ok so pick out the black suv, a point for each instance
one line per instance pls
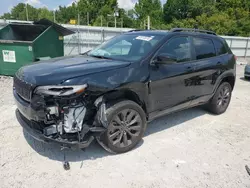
(111, 92)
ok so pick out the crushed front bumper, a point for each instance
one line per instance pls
(26, 124)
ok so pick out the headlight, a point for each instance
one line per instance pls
(60, 90)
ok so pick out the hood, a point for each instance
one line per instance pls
(56, 71)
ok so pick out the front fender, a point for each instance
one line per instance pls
(130, 81)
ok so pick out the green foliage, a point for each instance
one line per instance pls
(96, 8)
(226, 17)
(45, 13)
(19, 13)
(65, 14)
(7, 16)
(152, 8)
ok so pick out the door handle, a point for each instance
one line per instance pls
(219, 63)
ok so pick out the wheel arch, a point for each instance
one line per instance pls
(228, 77)
(230, 80)
(127, 94)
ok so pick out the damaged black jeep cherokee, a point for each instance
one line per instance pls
(111, 92)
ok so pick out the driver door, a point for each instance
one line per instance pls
(168, 85)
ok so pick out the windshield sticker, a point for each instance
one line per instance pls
(145, 38)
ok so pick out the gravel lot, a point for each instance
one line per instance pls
(191, 148)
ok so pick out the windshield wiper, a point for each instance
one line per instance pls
(100, 56)
(85, 53)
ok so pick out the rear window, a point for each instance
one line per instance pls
(220, 47)
(204, 48)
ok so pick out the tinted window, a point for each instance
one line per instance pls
(177, 47)
(204, 48)
(220, 47)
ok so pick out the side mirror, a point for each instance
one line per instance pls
(165, 59)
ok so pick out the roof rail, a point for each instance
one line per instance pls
(192, 30)
(135, 30)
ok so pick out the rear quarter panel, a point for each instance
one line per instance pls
(228, 69)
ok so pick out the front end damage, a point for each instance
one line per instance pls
(66, 115)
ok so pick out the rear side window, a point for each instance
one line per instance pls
(220, 47)
(204, 48)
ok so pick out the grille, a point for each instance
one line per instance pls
(23, 89)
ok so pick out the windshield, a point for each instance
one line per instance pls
(131, 47)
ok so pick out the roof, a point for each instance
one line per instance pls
(60, 29)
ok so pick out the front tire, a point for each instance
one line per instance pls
(221, 100)
(126, 126)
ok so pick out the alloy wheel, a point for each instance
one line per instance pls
(224, 97)
(124, 128)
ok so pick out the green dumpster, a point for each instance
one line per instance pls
(22, 44)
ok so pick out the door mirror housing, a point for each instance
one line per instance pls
(165, 59)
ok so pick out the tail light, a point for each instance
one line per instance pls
(235, 57)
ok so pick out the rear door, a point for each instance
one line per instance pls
(207, 68)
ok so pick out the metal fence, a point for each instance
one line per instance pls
(239, 45)
(87, 37)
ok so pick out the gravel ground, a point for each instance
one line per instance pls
(191, 148)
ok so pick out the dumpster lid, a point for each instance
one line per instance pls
(60, 29)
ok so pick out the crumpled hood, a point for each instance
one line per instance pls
(56, 71)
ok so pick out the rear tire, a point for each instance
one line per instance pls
(126, 126)
(246, 78)
(221, 100)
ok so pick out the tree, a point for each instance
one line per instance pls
(19, 12)
(96, 8)
(226, 17)
(65, 14)
(223, 5)
(45, 13)
(183, 9)
(127, 18)
(152, 8)
(6, 16)
(175, 10)
(32, 12)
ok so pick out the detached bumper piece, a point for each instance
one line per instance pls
(36, 134)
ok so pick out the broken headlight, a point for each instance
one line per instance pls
(60, 90)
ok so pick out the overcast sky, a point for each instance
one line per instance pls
(6, 5)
